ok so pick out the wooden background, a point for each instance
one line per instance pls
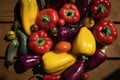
(109, 70)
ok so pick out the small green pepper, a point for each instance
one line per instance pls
(10, 35)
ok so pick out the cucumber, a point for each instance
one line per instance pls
(22, 38)
(11, 49)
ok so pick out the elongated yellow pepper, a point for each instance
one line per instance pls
(54, 62)
(84, 43)
(28, 11)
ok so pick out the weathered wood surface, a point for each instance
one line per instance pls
(109, 70)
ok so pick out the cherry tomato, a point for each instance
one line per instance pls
(34, 28)
(85, 76)
(89, 22)
(63, 46)
(61, 22)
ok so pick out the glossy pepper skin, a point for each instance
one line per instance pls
(40, 42)
(100, 8)
(105, 32)
(28, 12)
(54, 62)
(84, 43)
(47, 18)
(75, 71)
(70, 13)
(30, 60)
(95, 60)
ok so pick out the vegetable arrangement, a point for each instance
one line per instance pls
(63, 37)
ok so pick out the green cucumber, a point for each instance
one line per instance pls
(11, 49)
(22, 38)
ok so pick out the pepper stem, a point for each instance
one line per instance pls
(40, 41)
(84, 57)
(70, 13)
(101, 8)
(45, 18)
(106, 31)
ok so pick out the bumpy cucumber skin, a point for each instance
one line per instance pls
(11, 49)
(22, 38)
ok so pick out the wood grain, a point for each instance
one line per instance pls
(4, 28)
(109, 70)
(12, 74)
(7, 10)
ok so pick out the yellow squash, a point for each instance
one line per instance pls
(54, 62)
(28, 11)
(84, 43)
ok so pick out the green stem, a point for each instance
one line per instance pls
(40, 41)
(84, 57)
(106, 31)
(70, 13)
(46, 18)
(101, 8)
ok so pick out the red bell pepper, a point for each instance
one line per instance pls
(47, 18)
(105, 32)
(39, 42)
(70, 13)
(100, 8)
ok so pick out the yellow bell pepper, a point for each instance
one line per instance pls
(28, 11)
(54, 62)
(84, 43)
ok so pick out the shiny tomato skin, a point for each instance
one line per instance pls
(61, 22)
(63, 46)
(85, 76)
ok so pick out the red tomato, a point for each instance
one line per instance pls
(85, 76)
(61, 22)
(63, 46)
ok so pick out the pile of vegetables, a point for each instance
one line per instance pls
(63, 38)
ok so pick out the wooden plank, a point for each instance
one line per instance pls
(12, 74)
(4, 28)
(7, 10)
(109, 70)
(115, 11)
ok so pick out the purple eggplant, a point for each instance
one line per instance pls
(82, 6)
(66, 32)
(75, 71)
(57, 3)
(98, 58)
(30, 60)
